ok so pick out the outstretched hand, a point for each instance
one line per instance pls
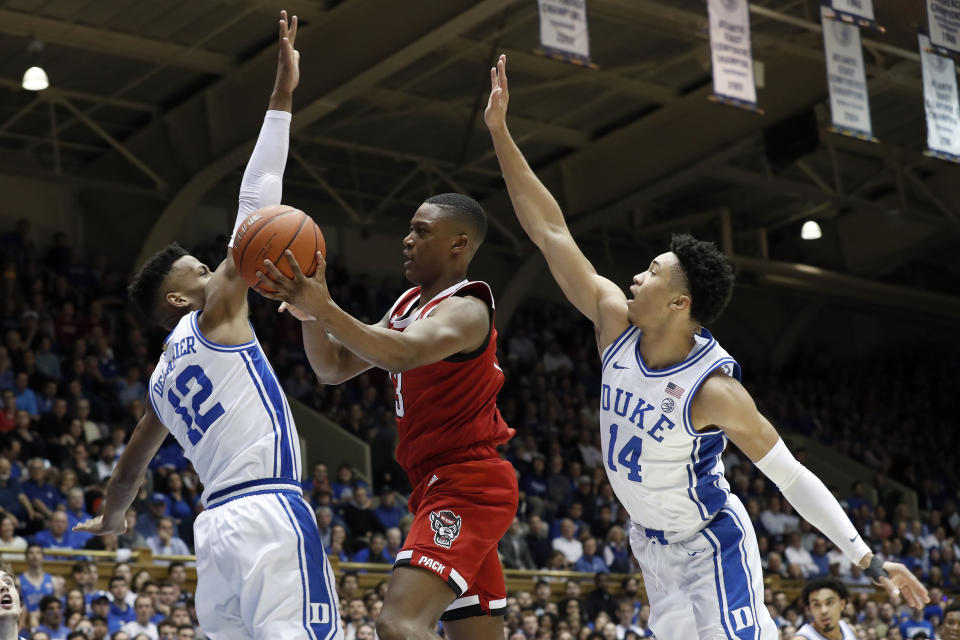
(306, 298)
(495, 114)
(288, 58)
(98, 527)
(903, 582)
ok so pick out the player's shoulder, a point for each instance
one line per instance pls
(721, 397)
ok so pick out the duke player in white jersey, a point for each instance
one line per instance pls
(670, 400)
(825, 599)
(261, 568)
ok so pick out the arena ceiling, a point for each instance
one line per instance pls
(158, 103)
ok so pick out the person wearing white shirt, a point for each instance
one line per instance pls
(144, 610)
(566, 543)
(775, 521)
(798, 555)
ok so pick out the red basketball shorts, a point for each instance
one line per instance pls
(461, 510)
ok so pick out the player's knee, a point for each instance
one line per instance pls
(391, 628)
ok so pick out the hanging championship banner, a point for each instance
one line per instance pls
(943, 17)
(733, 80)
(563, 30)
(941, 103)
(846, 78)
(859, 12)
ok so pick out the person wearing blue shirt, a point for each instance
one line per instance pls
(35, 582)
(121, 611)
(914, 625)
(590, 562)
(76, 513)
(12, 499)
(158, 507)
(389, 511)
(44, 498)
(26, 398)
(375, 552)
(58, 536)
(51, 619)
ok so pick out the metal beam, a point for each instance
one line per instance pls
(419, 27)
(54, 92)
(460, 114)
(113, 43)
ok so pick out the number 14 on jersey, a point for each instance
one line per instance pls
(629, 455)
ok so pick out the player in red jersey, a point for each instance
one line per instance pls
(438, 342)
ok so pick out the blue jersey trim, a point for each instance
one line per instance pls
(681, 366)
(247, 494)
(319, 582)
(266, 407)
(277, 400)
(303, 582)
(226, 348)
(240, 486)
(616, 345)
(731, 573)
(746, 563)
(687, 422)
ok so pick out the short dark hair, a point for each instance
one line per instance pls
(708, 275)
(464, 207)
(46, 601)
(823, 583)
(950, 608)
(144, 291)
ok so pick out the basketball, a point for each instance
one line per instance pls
(267, 233)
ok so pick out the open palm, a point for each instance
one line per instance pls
(495, 114)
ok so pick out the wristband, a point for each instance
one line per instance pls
(876, 571)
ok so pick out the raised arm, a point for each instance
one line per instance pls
(723, 402)
(262, 183)
(128, 476)
(603, 302)
(456, 325)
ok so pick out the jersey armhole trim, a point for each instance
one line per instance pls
(607, 355)
(479, 351)
(216, 346)
(687, 423)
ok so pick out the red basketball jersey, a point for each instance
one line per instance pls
(447, 411)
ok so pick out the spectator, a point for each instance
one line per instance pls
(58, 535)
(394, 544)
(389, 511)
(589, 561)
(514, 552)
(148, 521)
(77, 513)
(600, 599)
(121, 608)
(165, 543)
(617, 554)
(51, 619)
(375, 552)
(142, 624)
(35, 582)
(798, 556)
(356, 615)
(359, 514)
(8, 415)
(566, 543)
(775, 521)
(915, 625)
(538, 541)
(131, 539)
(44, 497)
(25, 398)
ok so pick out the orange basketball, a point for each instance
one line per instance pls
(267, 233)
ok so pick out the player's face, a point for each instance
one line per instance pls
(426, 248)
(654, 291)
(188, 279)
(825, 607)
(950, 629)
(9, 597)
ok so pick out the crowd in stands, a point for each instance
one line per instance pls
(74, 363)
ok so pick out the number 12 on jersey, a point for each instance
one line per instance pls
(198, 423)
(629, 455)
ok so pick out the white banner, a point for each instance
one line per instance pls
(943, 17)
(846, 77)
(563, 29)
(733, 78)
(940, 101)
(860, 11)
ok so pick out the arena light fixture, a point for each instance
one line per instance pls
(35, 78)
(811, 230)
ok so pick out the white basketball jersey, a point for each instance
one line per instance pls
(668, 476)
(807, 631)
(225, 407)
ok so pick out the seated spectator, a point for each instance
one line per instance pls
(8, 414)
(342, 488)
(375, 552)
(355, 615)
(177, 575)
(44, 497)
(394, 544)
(359, 515)
(589, 561)
(165, 543)
(389, 511)
(514, 552)
(10, 540)
(147, 521)
(51, 619)
(600, 599)
(617, 554)
(798, 556)
(566, 543)
(132, 539)
(35, 582)
(142, 624)
(914, 625)
(166, 630)
(77, 513)
(121, 608)
(538, 541)
(13, 502)
(58, 534)
(775, 521)
(24, 396)
(106, 459)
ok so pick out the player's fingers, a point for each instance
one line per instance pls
(321, 272)
(494, 83)
(292, 33)
(292, 261)
(891, 588)
(283, 307)
(269, 293)
(502, 71)
(274, 273)
(283, 25)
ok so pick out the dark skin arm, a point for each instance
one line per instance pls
(456, 325)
